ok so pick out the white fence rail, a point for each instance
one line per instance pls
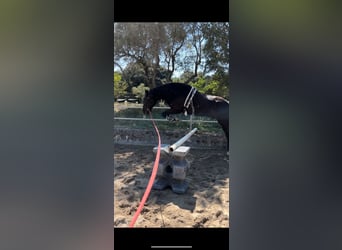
(160, 120)
(191, 119)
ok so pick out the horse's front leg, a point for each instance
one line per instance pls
(225, 126)
(167, 113)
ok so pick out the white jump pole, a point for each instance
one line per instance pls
(182, 140)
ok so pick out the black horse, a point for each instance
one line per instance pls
(182, 98)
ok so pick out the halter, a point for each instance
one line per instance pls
(188, 100)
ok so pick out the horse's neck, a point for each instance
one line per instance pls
(162, 95)
(168, 95)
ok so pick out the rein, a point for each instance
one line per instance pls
(152, 178)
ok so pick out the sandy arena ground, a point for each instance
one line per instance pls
(205, 203)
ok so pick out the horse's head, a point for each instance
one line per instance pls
(149, 102)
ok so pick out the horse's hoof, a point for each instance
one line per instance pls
(171, 118)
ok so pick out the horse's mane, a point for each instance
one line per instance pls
(170, 91)
(173, 91)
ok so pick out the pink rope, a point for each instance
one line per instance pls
(152, 178)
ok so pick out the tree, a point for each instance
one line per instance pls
(216, 54)
(119, 86)
(176, 37)
(151, 53)
(216, 48)
(133, 75)
(140, 43)
(210, 86)
(139, 91)
(154, 46)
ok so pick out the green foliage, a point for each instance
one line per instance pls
(120, 86)
(184, 76)
(223, 85)
(211, 86)
(157, 53)
(216, 48)
(140, 91)
(134, 74)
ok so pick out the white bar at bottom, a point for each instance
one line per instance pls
(164, 247)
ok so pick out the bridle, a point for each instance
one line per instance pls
(188, 100)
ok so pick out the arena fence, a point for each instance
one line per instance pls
(131, 127)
